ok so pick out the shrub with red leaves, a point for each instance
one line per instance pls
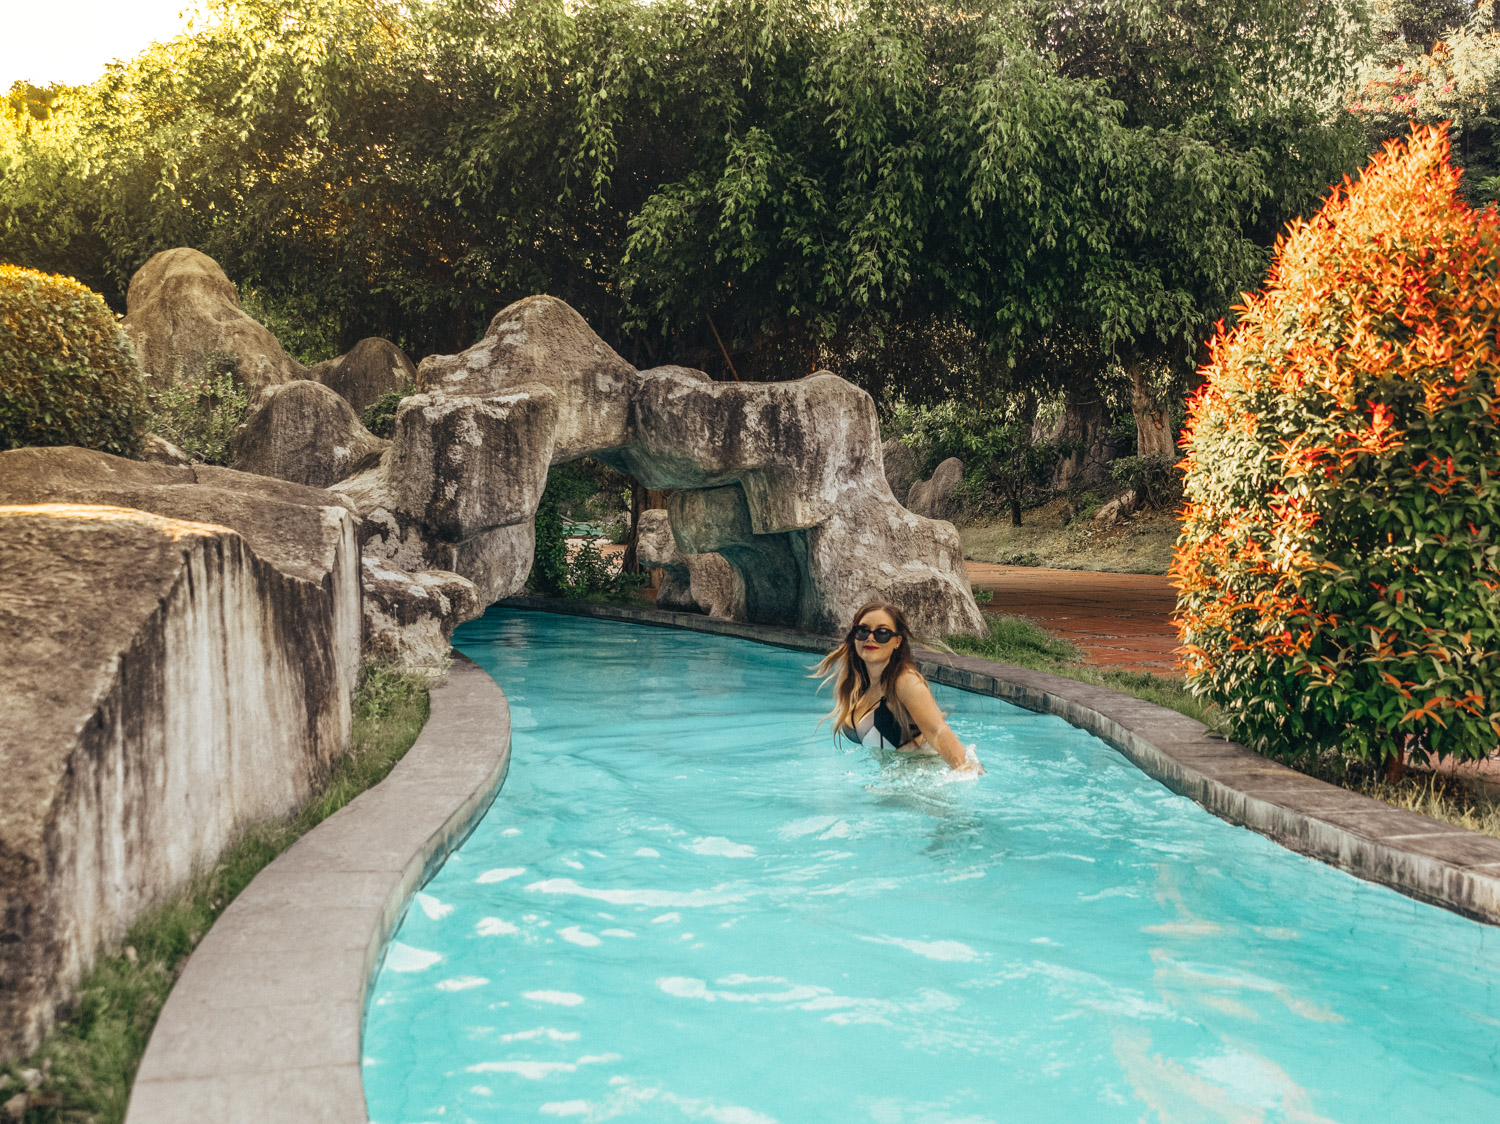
(1338, 573)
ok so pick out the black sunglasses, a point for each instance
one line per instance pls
(864, 632)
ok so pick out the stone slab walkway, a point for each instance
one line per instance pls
(1116, 620)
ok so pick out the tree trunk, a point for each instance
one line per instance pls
(1015, 511)
(630, 564)
(1153, 426)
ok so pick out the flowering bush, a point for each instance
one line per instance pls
(1339, 595)
(1458, 80)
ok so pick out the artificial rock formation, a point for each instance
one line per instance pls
(934, 497)
(370, 369)
(696, 583)
(181, 311)
(785, 481)
(306, 433)
(178, 649)
(900, 467)
(408, 617)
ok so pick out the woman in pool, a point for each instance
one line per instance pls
(878, 689)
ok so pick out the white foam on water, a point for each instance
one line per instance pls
(686, 898)
(404, 958)
(511, 831)
(719, 847)
(546, 1032)
(574, 935)
(686, 987)
(949, 951)
(461, 983)
(494, 927)
(559, 998)
(565, 1108)
(500, 874)
(810, 825)
(573, 863)
(616, 933)
(434, 909)
(647, 853)
(532, 1071)
(667, 919)
(598, 1059)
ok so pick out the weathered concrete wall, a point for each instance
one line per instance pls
(166, 683)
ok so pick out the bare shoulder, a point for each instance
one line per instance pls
(910, 684)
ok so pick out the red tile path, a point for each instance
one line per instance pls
(1117, 620)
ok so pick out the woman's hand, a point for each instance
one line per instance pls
(917, 698)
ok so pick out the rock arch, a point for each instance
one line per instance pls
(784, 480)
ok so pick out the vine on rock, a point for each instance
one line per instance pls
(1339, 589)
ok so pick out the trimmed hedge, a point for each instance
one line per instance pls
(1339, 566)
(68, 375)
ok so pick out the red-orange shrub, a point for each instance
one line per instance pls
(1338, 590)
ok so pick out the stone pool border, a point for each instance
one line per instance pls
(1424, 858)
(267, 1019)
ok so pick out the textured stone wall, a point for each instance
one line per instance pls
(166, 683)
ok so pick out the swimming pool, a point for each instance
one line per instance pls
(687, 904)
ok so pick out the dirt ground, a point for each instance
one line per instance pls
(1139, 544)
(1116, 620)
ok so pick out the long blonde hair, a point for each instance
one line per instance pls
(850, 678)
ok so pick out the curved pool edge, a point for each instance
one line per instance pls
(1424, 858)
(266, 1021)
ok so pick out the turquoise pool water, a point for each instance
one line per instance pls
(687, 905)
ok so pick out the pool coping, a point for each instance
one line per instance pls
(266, 1022)
(1435, 862)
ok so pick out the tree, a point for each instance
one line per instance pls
(934, 198)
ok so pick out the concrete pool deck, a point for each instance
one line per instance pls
(266, 1021)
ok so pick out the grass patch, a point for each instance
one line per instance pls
(1446, 798)
(1047, 538)
(83, 1070)
(1026, 644)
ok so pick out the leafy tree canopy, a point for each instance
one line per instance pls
(934, 198)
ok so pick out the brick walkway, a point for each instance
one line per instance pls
(1117, 620)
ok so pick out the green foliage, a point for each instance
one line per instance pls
(1436, 61)
(592, 577)
(572, 490)
(306, 330)
(68, 375)
(1018, 641)
(997, 448)
(380, 416)
(199, 413)
(1154, 479)
(1338, 571)
(91, 1059)
(936, 198)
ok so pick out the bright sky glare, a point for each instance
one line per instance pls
(71, 41)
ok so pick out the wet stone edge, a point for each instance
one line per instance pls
(1424, 858)
(266, 1021)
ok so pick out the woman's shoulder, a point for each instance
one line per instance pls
(909, 680)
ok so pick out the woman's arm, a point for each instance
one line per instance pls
(917, 698)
